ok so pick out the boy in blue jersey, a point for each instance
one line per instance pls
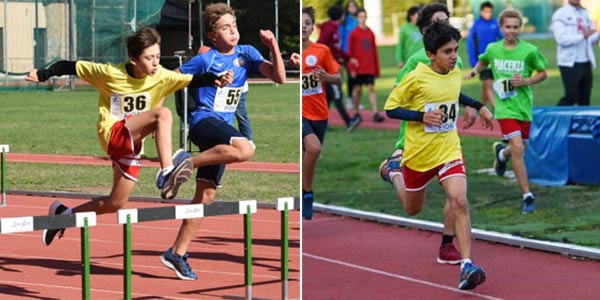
(211, 122)
(484, 31)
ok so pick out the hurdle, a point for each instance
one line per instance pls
(128, 216)
(81, 220)
(284, 204)
(4, 149)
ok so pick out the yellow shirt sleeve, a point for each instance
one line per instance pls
(94, 73)
(174, 81)
(402, 94)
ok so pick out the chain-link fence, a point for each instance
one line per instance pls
(36, 33)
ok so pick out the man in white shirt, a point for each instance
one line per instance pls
(575, 35)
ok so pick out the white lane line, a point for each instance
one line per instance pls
(397, 276)
(79, 288)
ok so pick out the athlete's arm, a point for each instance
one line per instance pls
(209, 79)
(59, 68)
(433, 118)
(274, 70)
(470, 102)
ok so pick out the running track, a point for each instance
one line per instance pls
(346, 258)
(30, 270)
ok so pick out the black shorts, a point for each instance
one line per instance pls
(208, 133)
(364, 79)
(317, 128)
(486, 74)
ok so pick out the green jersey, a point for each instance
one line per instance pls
(410, 40)
(414, 60)
(513, 102)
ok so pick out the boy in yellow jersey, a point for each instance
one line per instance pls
(432, 144)
(130, 107)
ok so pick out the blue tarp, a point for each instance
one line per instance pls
(546, 155)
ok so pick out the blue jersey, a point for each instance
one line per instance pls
(222, 102)
(483, 33)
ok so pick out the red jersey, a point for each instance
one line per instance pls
(314, 99)
(361, 46)
(330, 37)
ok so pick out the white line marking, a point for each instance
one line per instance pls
(79, 288)
(406, 278)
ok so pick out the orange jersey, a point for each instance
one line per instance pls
(314, 98)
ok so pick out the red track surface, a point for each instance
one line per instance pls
(30, 270)
(351, 259)
(392, 124)
(105, 161)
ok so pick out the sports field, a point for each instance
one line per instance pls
(347, 172)
(65, 123)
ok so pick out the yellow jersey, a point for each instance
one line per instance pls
(122, 95)
(424, 90)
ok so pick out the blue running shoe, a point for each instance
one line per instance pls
(307, 205)
(499, 166)
(178, 264)
(177, 159)
(471, 276)
(391, 166)
(529, 205)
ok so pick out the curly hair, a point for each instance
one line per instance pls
(425, 15)
(212, 14)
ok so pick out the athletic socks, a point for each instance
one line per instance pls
(501, 156)
(530, 194)
(447, 239)
(464, 262)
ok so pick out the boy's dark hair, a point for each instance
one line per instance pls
(310, 11)
(361, 10)
(335, 12)
(212, 14)
(427, 12)
(411, 11)
(140, 40)
(439, 34)
(486, 4)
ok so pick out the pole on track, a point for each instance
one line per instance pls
(3, 149)
(284, 252)
(127, 258)
(248, 251)
(85, 258)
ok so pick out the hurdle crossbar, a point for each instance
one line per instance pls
(129, 216)
(82, 220)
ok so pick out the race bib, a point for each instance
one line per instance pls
(504, 88)
(227, 99)
(122, 106)
(451, 110)
(311, 86)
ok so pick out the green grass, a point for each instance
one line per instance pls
(65, 123)
(347, 173)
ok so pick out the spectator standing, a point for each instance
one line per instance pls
(575, 34)
(347, 24)
(330, 37)
(484, 31)
(362, 47)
